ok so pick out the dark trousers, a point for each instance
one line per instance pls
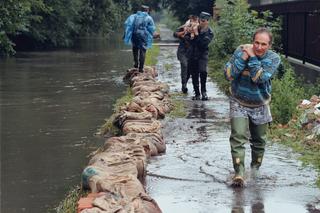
(139, 56)
(198, 69)
(185, 75)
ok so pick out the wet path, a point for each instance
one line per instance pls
(194, 174)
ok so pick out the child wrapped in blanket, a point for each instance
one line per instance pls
(191, 26)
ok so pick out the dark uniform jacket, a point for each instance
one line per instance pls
(199, 46)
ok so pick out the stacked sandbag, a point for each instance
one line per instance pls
(114, 175)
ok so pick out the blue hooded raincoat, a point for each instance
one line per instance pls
(149, 29)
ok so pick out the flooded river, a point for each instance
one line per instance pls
(51, 104)
(194, 175)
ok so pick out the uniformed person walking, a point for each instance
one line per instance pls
(182, 57)
(198, 56)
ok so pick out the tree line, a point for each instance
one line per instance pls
(39, 24)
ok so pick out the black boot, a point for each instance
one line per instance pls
(204, 96)
(184, 88)
(197, 93)
(196, 97)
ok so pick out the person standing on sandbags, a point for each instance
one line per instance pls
(139, 29)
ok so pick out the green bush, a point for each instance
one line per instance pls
(237, 25)
(59, 23)
(286, 94)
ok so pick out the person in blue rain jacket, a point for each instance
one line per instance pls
(139, 29)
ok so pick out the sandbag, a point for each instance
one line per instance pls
(164, 88)
(139, 152)
(143, 82)
(127, 186)
(133, 107)
(111, 202)
(154, 138)
(141, 126)
(124, 115)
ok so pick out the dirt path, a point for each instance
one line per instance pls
(194, 174)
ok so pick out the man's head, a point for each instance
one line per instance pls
(204, 19)
(145, 8)
(262, 40)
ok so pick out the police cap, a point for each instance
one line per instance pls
(205, 15)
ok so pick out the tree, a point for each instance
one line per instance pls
(101, 16)
(58, 23)
(183, 8)
(15, 18)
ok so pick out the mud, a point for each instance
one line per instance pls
(194, 174)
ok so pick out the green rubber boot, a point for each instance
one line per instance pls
(238, 138)
(257, 143)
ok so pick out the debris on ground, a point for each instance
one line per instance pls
(307, 121)
(309, 118)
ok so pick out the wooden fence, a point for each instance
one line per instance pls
(301, 28)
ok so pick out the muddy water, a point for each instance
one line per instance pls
(51, 105)
(194, 175)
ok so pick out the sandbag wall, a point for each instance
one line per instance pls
(115, 175)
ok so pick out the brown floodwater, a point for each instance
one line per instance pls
(194, 175)
(51, 104)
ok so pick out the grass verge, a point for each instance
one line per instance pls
(151, 55)
(69, 204)
(179, 108)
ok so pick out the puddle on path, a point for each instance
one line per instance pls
(193, 176)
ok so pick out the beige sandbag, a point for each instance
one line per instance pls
(127, 186)
(151, 88)
(143, 82)
(150, 105)
(147, 88)
(157, 94)
(130, 146)
(133, 107)
(154, 138)
(147, 205)
(153, 110)
(145, 101)
(137, 152)
(150, 70)
(94, 210)
(123, 142)
(141, 126)
(142, 78)
(113, 203)
(122, 116)
(115, 163)
(125, 196)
